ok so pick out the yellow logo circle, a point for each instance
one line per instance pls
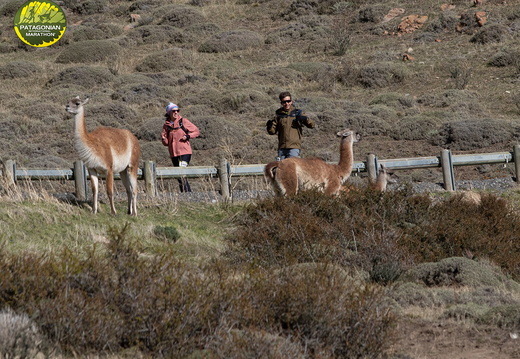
(40, 23)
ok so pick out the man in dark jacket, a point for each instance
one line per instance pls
(288, 124)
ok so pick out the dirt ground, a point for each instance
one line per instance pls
(419, 339)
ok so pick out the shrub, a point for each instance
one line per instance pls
(505, 58)
(117, 299)
(232, 41)
(253, 343)
(414, 128)
(113, 114)
(446, 21)
(9, 8)
(382, 74)
(300, 31)
(101, 31)
(86, 7)
(151, 34)
(505, 316)
(460, 73)
(373, 13)
(18, 69)
(85, 76)
(411, 294)
(455, 100)
(461, 312)
(492, 33)
(167, 233)
(144, 93)
(165, 60)
(322, 73)
(456, 226)
(460, 271)
(215, 130)
(150, 130)
(179, 16)
(19, 336)
(366, 123)
(393, 99)
(473, 134)
(89, 51)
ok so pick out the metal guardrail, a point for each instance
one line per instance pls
(150, 173)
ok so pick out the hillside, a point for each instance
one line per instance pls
(447, 78)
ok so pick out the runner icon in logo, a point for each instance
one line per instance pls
(40, 23)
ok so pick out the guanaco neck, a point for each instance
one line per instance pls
(346, 156)
(80, 128)
(380, 183)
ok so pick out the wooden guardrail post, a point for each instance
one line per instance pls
(372, 167)
(150, 177)
(223, 174)
(447, 170)
(516, 160)
(10, 173)
(80, 180)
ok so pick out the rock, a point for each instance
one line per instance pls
(392, 14)
(481, 18)
(411, 23)
(445, 7)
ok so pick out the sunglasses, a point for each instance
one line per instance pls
(287, 101)
(175, 110)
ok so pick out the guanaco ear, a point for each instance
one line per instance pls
(86, 100)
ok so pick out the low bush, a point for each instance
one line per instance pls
(216, 131)
(9, 8)
(85, 76)
(504, 316)
(89, 51)
(151, 34)
(454, 227)
(179, 16)
(86, 7)
(117, 299)
(492, 33)
(372, 13)
(505, 58)
(150, 130)
(113, 114)
(393, 99)
(232, 41)
(367, 123)
(473, 134)
(18, 69)
(382, 74)
(19, 336)
(461, 271)
(414, 128)
(145, 93)
(170, 59)
(372, 231)
(101, 31)
(445, 21)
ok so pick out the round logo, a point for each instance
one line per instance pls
(40, 23)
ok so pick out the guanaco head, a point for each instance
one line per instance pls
(349, 133)
(74, 104)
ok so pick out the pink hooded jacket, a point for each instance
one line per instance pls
(172, 135)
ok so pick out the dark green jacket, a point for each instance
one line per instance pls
(288, 125)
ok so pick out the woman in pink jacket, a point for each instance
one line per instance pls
(176, 134)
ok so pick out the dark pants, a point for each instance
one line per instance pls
(182, 161)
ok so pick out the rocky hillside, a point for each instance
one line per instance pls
(411, 76)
